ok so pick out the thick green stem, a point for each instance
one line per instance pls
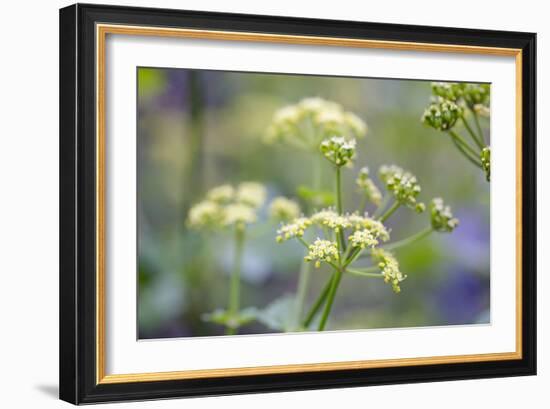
(409, 240)
(317, 305)
(301, 292)
(389, 212)
(330, 299)
(474, 136)
(235, 289)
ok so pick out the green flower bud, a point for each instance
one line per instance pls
(389, 266)
(486, 162)
(441, 216)
(442, 114)
(402, 185)
(338, 150)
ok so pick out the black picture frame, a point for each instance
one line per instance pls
(78, 360)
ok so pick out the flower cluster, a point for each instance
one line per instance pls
(470, 94)
(442, 218)
(354, 221)
(338, 150)
(367, 187)
(402, 185)
(442, 114)
(311, 120)
(251, 194)
(283, 209)
(452, 101)
(294, 229)
(322, 250)
(389, 267)
(363, 238)
(226, 206)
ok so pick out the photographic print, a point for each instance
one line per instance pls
(282, 203)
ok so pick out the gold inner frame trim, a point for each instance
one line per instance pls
(101, 33)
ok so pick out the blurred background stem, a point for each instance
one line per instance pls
(234, 294)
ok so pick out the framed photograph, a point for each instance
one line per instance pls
(258, 203)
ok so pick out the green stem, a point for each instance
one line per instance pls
(363, 204)
(367, 272)
(464, 144)
(352, 257)
(330, 299)
(301, 292)
(318, 303)
(389, 212)
(305, 269)
(382, 206)
(466, 154)
(234, 295)
(478, 126)
(409, 240)
(474, 136)
(339, 207)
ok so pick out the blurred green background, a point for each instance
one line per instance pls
(198, 129)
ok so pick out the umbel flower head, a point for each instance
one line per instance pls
(226, 206)
(239, 214)
(338, 150)
(367, 187)
(206, 215)
(294, 229)
(221, 194)
(389, 266)
(252, 194)
(470, 94)
(283, 209)
(322, 250)
(441, 216)
(329, 218)
(308, 122)
(442, 114)
(402, 185)
(363, 238)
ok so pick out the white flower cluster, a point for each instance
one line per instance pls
(403, 186)
(309, 121)
(338, 150)
(441, 216)
(226, 206)
(329, 218)
(294, 229)
(362, 239)
(370, 230)
(322, 250)
(367, 187)
(389, 267)
(284, 209)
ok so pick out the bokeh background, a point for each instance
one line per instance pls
(198, 129)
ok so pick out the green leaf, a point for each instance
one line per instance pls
(317, 198)
(278, 315)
